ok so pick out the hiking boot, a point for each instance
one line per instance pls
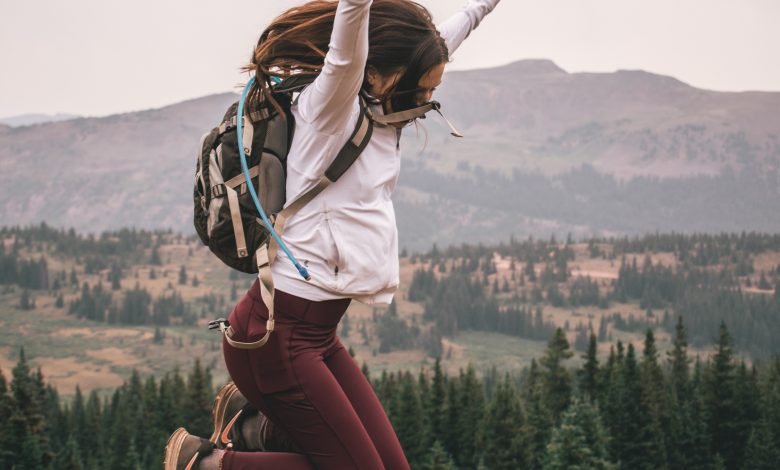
(183, 450)
(239, 426)
(229, 405)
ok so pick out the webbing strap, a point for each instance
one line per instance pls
(254, 116)
(414, 113)
(249, 134)
(295, 83)
(354, 146)
(403, 116)
(235, 217)
(238, 180)
(267, 294)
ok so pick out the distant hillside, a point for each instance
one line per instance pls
(545, 152)
(92, 308)
(29, 119)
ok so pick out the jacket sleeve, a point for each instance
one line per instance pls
(328, 102)
(458, 27)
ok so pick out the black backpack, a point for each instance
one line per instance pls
(226, 219)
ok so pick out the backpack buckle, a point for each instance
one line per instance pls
(219, 324)
(218, 190)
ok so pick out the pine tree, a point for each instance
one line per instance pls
(556, 378)
(182, 276)
(167, 410)
(579, 442)
(159, 336)
(115, 277)
(674, 435)
(610, 398)
(763, 450)
(747, 402)
(589, 375)
(437, 412)
(78, 420)
(453, 416)
(771, 398)
(198, 400)
(504, 444)
(27, 445)
(679, 361)
(156, 434)
(625, 417)
(26, 302)
(28, 395)
(438, 459)
(469, 406)
(6, 433)
(409, 423)
(652, 452)
(424, 392)
(696, 437)
(57, 422)
(70, 458)
(155, 259)
(92, 435)
(133, 459)
(120, 430)
(540, 422)
(721, 401)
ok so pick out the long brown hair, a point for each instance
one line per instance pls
(401, 37)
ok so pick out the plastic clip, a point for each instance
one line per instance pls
(219, 324)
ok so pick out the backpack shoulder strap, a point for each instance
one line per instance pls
(266, 254)
(346, 157)
(295, 82)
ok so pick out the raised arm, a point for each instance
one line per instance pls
(327, 103)
(458, 27)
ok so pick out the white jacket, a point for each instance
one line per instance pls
(347, 236)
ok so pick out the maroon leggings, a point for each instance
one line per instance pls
(306, 383)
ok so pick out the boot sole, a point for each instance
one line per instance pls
(219, 436)
(173, 449)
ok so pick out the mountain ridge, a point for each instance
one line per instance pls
(530, 117)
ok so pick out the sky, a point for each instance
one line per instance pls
(101, 57)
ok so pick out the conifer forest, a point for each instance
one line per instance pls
(636, 409)
(654, 352)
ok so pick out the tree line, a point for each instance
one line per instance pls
(135, 307)
(637, 409)
(461, 289)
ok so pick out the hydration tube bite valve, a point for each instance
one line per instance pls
(240, 135)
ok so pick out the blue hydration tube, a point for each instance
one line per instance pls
(240, 134)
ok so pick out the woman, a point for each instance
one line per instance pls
(303, 379)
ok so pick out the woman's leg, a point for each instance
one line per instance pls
(367, 406)
(288, 381)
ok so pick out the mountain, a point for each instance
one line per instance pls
(30, 119)
(628, 123)
(546, 152)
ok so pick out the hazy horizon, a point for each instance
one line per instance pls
(73, 57)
